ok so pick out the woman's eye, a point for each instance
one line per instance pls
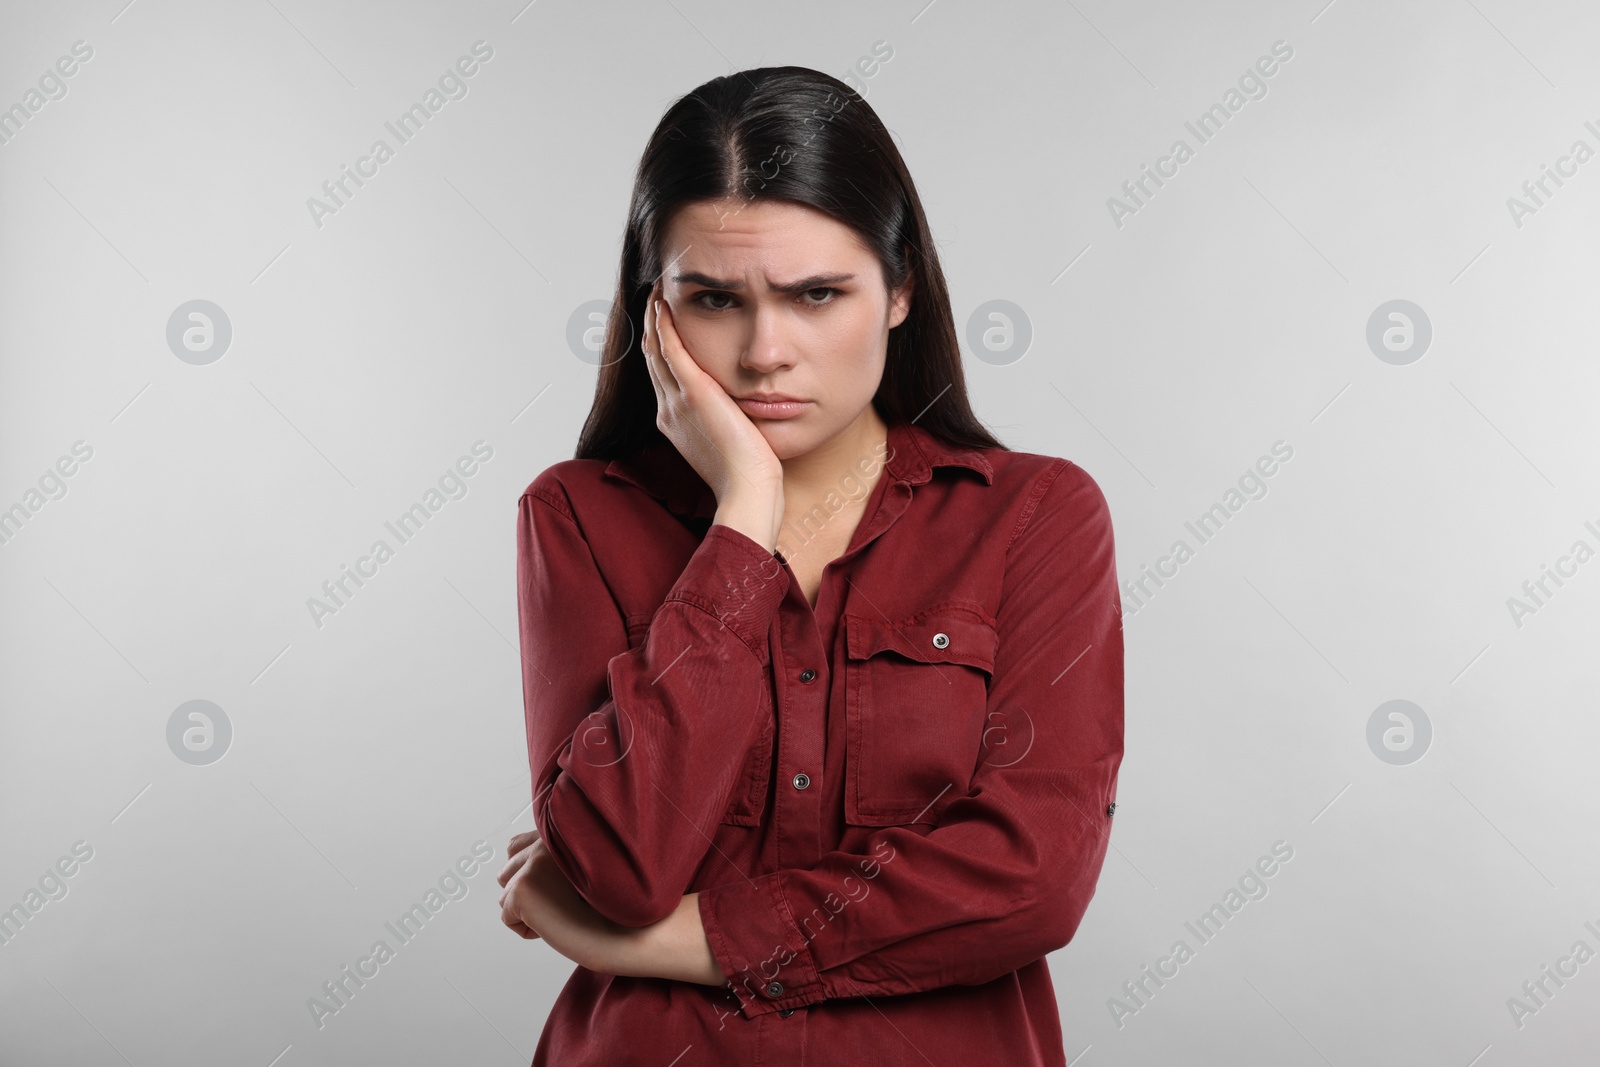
(701, 297)
(819, 303)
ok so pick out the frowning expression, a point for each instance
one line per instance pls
(777, 297)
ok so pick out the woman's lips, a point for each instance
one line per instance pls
(772, 409)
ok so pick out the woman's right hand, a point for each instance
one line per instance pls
(712, 432)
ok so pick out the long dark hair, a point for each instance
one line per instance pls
(794, 134)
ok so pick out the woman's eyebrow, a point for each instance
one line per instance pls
(816, 281)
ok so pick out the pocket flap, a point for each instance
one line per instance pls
(965, 635)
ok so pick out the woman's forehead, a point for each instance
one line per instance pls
(782, 239)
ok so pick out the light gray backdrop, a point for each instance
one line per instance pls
(1354, 263)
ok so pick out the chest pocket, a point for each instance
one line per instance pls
(916, 691)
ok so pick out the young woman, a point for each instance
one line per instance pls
(823, 684)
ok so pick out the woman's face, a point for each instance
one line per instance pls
(777, 297)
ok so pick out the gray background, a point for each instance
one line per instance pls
(1168, 354)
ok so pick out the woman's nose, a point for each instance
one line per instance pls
(769, 347)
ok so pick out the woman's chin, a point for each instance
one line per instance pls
(786, 439)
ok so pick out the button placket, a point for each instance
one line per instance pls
(801, 678)
(801, 779)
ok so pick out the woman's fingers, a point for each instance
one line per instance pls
(517, 854)
(516, 885)
(646, 345)
(513, 864)
(512, 918)
(524, 931)
(676, 357)
(668, 365)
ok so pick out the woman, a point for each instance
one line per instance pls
(823, 684)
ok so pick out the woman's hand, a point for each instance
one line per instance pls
(518, 851)
(712, 432)
(539, 902)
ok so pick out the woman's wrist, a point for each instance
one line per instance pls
(752, 520)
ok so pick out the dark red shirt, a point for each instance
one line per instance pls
(893, 806)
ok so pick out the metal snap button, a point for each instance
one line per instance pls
(774, 989)
(807, 674)
(784, 1013)
(802, 780)
(941, 640)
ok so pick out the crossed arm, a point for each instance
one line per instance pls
(539, 902)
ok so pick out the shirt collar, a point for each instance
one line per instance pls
(662, 472)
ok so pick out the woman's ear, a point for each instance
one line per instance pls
(900, 299)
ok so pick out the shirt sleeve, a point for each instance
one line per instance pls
(1006, 875)
(635, 753)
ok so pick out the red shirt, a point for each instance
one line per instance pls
(893, 806)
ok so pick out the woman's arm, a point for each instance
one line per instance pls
(539, 902)
(635, 752)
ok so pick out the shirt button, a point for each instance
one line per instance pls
(1111, 808)
(802, 780)
(785, 1012)
(774, 989)
(941, 640)
(807, 674)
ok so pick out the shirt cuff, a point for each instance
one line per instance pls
(737, 581)
(762, 952)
